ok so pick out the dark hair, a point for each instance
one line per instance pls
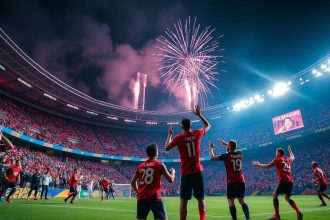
(186, 124)
(314, 163)
(289, 119)
(151, 150)
(75, 170)
(232, 144)
(281, 151)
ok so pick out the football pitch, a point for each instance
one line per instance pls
(124, 208)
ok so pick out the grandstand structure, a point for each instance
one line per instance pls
(50, 121)
(24, 80)
(111, 135)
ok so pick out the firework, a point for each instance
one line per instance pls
(188, 59)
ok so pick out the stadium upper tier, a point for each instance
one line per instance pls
(22, 78)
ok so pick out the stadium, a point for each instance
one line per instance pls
(63, 134)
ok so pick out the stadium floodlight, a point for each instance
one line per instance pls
(280, 89)
(24, 82)
(151, 123)
(289, 83)
(92, 113)
(2, 67)
(270, 92)
(317, 73)
(251, 101)
(194, 121)
(72, 106)
(314, 71)
(172, 123)
(129, 120)
(323, 66)
(112, 118)
(50, 96)
(236, 107)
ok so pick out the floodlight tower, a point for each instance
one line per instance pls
(139, 90)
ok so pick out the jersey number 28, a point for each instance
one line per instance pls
(147, 176)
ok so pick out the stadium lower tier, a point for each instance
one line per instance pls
(258, 181)
(76, 135)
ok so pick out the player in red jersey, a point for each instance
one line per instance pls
(284, 186)
(73, 183)
(322, 181)
(5, 144)
(235, 180)
(12, 178)
(188, 143)
(146, 182)
(104, 188)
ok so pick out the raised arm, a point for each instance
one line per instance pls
(168, 144)
(211, 146)
(222, 142)
(264, 166)
(169, 176)
(134, 183)
(197, 112)
(6, 142)
(291, 154)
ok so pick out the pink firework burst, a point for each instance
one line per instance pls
(188, 59)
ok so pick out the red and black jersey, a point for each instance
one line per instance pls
(283, 168)
(320, 176)
(149, 179)
(104, 183)
(12, 174)
(73, 181)
(233, 163)
(188, 144)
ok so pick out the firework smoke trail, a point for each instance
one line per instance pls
(188, 59)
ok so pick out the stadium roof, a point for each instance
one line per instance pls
(22, 78)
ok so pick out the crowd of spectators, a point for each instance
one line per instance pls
(53, 129)
(130, 143)
(60, 166)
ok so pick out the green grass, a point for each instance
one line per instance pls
(124, 208)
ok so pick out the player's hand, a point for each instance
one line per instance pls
(172, 170)
(289, 148)
(255, 163)
(197, 110)
(170, 130)
(211, 144)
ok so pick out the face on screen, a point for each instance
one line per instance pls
(287, 123)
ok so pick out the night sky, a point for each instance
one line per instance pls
(98, 46)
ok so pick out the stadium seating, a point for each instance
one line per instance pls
(53, 129)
